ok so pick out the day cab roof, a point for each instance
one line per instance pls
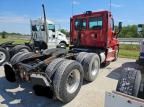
(91, 13)
(40, 21)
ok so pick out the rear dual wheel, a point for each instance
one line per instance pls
(19, 48)
(9, 73)
(20, 57)
(67, 80)
(91, 65)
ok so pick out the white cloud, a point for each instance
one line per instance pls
(116, 5)
(76, 2)
(14, 19)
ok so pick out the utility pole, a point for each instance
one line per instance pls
(72, 7)
(110, 5)
(45, 23)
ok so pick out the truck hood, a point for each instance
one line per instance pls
(62, 36)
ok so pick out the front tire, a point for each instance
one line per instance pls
(62, 45)
(68, 80)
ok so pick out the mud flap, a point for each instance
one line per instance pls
(9, 73)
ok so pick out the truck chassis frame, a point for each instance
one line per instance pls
(63, 70)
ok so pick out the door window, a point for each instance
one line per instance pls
(80, 24)
(38, 28)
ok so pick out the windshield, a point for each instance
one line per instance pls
(51, 27)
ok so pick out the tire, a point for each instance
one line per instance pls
(91, 66)
(4, 56)
(81, 56)
(19, 48)
(9, 73)
(62, 45)
(13, 60)
(52, 67)
(63, 91)
(141, 90)
(129, 82)
(20, 57)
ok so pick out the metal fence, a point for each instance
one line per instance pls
(132, 41)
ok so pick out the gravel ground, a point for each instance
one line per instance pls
(90, 95)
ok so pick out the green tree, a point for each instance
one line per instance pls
(4, 34)
(141, 34)
(64, 32)
(129, 31)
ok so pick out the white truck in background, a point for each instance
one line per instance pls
(55, 37)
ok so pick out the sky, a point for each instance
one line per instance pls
(15, 15)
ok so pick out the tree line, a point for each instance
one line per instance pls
(5, 34)
(131, 31)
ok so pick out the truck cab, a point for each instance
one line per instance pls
(55, 37)
(95, 31)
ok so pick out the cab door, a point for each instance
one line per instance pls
(96, 32)
(80, 28)
(38, 33)
(52, 36)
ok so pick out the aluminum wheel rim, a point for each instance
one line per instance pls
(2, 57)
(94, 69)
(73, 81)
(62, 45)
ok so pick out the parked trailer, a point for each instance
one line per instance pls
(94, 42)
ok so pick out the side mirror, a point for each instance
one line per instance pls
(120, 26)
(139, 29)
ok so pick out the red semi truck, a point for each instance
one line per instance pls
(95, 32)
(93, 41)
